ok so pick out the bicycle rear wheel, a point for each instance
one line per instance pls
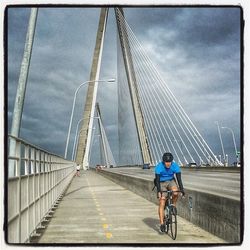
(173, 225)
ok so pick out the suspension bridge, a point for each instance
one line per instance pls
(46, 203)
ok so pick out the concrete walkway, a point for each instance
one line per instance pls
(96, 210)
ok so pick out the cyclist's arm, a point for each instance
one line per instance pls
(178, 177)
(158, 186)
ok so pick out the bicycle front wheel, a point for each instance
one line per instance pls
(166, 222)
(173, 225)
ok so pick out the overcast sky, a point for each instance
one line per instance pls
(196, 50)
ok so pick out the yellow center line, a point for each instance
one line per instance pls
(108, 235)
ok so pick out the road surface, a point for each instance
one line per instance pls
(95, 210)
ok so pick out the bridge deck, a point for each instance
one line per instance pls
(224, 183)
(96, 210)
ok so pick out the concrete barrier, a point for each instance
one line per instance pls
(218, 215)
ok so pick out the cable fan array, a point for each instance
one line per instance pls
(168, 126)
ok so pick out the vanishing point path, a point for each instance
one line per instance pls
(95, 210)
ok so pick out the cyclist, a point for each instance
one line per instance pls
(78, 170)
(165, 173)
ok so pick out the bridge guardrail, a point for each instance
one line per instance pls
(39, 179)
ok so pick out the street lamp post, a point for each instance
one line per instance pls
(73, 107)
(235, 148)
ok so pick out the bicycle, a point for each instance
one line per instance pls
(170, 219)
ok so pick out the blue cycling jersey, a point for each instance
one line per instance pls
(167, 174)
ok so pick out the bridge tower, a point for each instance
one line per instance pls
(130, 73)
(83, 147)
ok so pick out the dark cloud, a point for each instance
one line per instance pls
(196, 50)
(210, 26)
(206, 26)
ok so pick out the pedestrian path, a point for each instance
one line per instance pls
(94, 210)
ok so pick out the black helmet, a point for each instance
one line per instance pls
(167, 157)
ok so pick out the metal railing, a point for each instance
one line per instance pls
(39, 179)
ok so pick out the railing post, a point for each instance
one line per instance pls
(44, 183)
(18, 172)
(39, 186)
(34, 190)
(27, 164)
(50, 185)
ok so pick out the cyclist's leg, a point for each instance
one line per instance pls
(162, 203)
(173, 186)
(161, 208)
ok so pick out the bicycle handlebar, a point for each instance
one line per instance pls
(172, 191)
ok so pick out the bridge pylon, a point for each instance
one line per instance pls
(83, 147)
(133, 90)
